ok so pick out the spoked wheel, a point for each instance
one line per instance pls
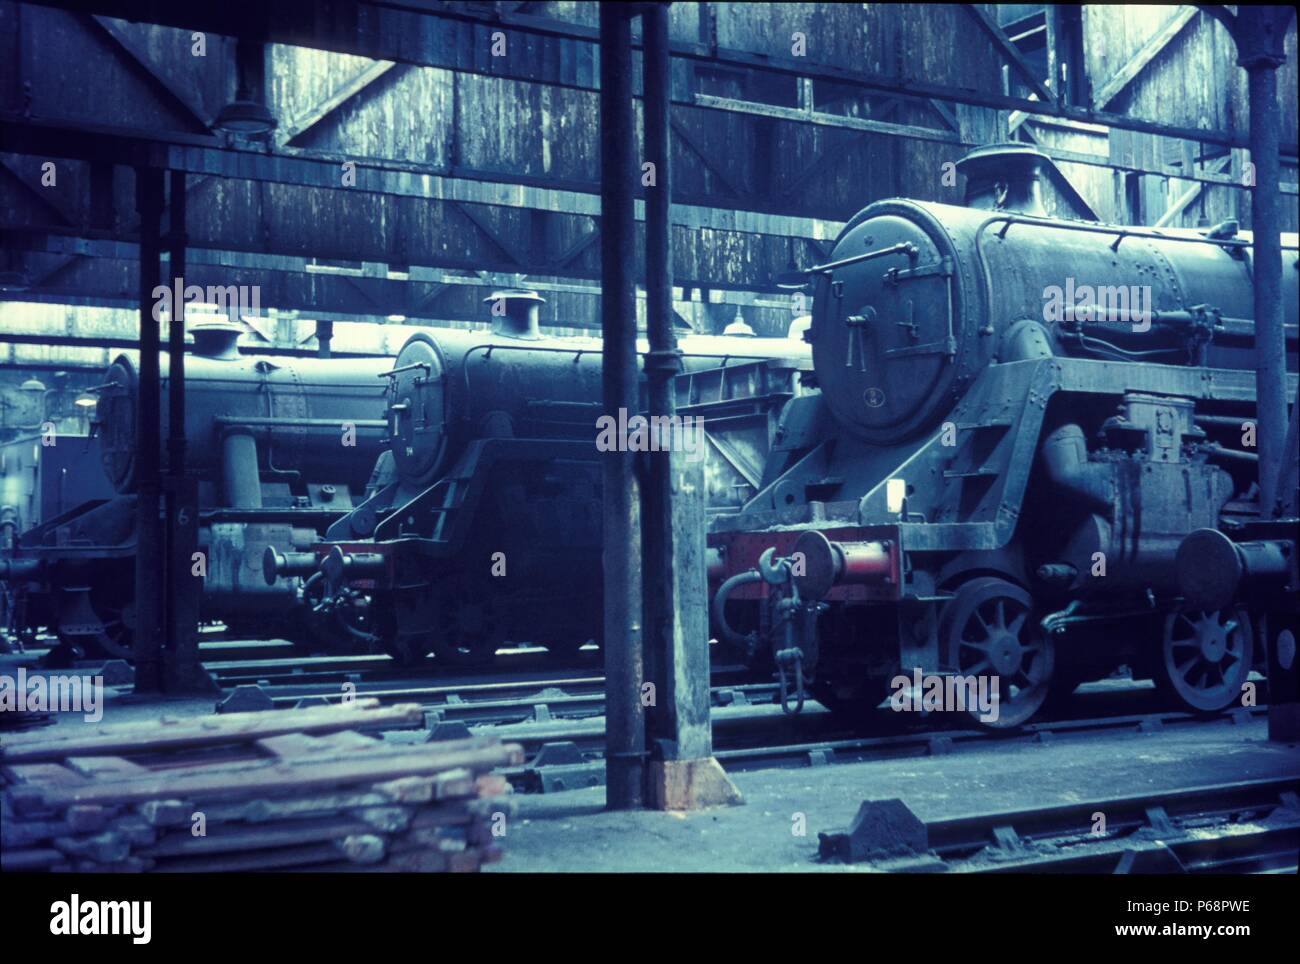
(989, 633)
(1205, 658)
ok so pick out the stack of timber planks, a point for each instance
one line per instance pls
(309, 789)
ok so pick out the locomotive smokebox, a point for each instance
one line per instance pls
(1005, 177)
(515, 313)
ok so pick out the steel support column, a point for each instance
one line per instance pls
(662, 364)
(149, 553)
(624, 671)
(1259, 32)
(176, 328)
(682, 773)
(1282, 624)
(182, 669)
(1266, 222)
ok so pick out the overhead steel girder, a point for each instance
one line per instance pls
(199, 154)
(545, 50)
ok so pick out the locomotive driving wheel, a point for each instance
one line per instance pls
(1205, 658)
(988, 632)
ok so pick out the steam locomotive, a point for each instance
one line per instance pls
(1021, 419)
(490, 530)
(280, 447)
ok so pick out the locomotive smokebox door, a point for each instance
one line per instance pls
(882, 340)
(417, 408)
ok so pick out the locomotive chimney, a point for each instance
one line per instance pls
(1005, 177)
(515, 313)
(216, 339)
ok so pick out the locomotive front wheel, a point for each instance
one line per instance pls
(990, 634)
(1205, 658)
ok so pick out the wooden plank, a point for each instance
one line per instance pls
(44, 774)
(290, 745)
(285, 858)
(170, 733)
(16, 834)
(226, 839)
(340, 799)
(275, 777)
(1139, 61)
(107, 767)
(38, 858)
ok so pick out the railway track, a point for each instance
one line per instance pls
(569, 756)
(557, 713)
(1249, 826)
(497, 694)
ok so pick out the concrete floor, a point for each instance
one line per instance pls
(571, 831)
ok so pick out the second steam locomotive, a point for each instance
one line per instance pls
(1021, 420)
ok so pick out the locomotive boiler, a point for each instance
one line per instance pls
(1020, 420)
(490, 530)
(280, 448)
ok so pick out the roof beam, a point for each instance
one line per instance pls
(454, 37)
(203, 155)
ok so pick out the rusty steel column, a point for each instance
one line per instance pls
(176, 329)
(624, 672)
(661, 364)
(681, 773)
(149, 549)
(182, 670)
(1259, 33)
(1282, 625)
(1266, 223)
